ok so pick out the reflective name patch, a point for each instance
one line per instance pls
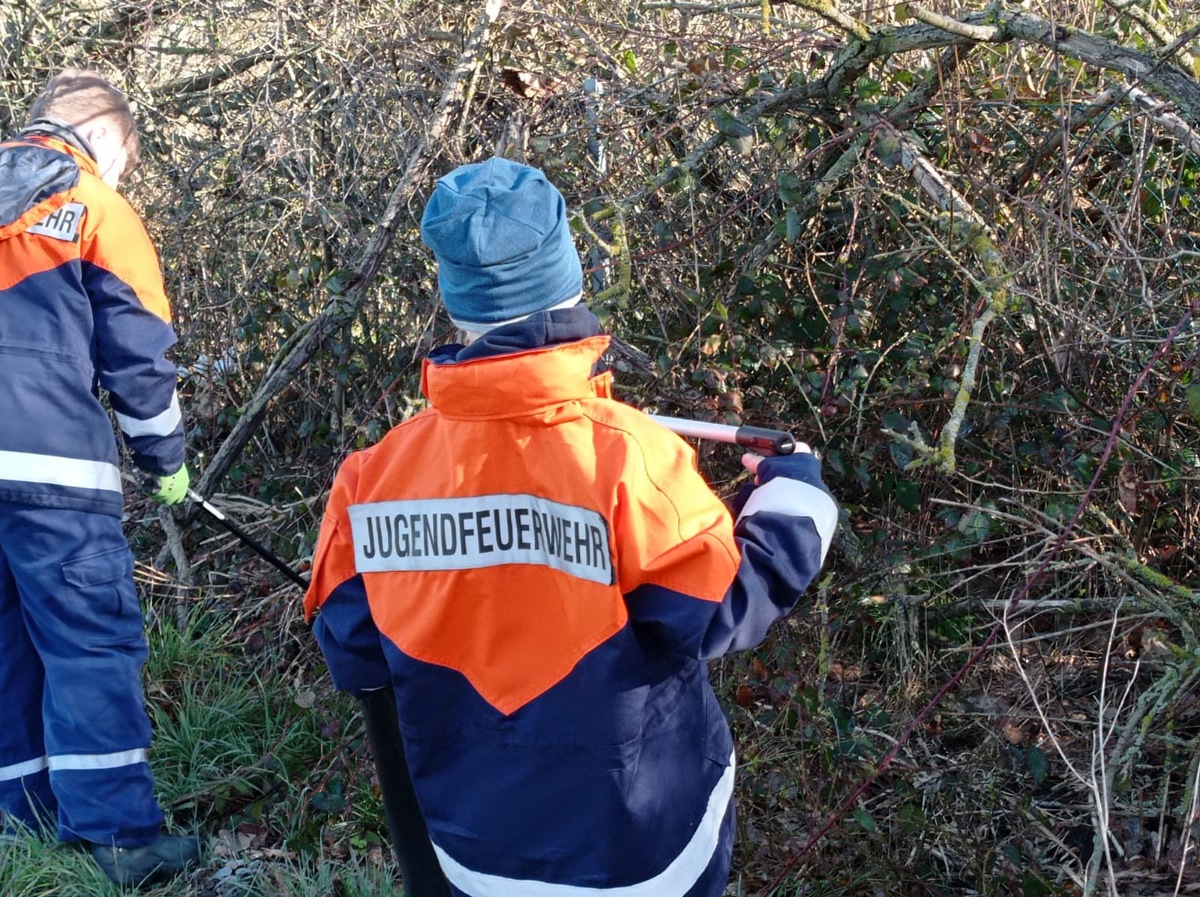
(61, 224)
(482, 531)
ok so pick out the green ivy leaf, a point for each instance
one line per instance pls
(908, 494)
(887, 148)
(792, 226)
(911, 818)
(1193, 400)
(730, 125)
(976, 526)
(902, 454)
(340, 281)
(1039, 766)
(743, 145)
(863, 818)
(791, 188)
(1032, 886)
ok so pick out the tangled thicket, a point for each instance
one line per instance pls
(952, 248)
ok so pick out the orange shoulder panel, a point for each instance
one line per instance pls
(675, 532)
(116, 240)
(33, 215)
(25, 256)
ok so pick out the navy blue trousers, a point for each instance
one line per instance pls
(73, 727)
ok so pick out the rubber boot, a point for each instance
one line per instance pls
(418, 863)
(163, 858)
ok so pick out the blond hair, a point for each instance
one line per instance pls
(80, 97)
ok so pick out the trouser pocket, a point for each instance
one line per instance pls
(98, 602)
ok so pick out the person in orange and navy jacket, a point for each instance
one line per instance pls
(539, 573)
(82, 307)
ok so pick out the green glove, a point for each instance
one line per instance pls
(170, 489)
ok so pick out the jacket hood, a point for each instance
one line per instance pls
(36, 175)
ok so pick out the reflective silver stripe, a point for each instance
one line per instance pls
(19, 770)
(674, 881)
(26, 467)
(160, 425)
(796, 499)
(60, 762)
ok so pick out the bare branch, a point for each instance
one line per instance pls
(214, 76)
(1153, 27)
(1162, 114)
(962, 221)
(831, 13)
(984, 33)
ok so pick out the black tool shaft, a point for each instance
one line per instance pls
(757, 439)
(269, 556)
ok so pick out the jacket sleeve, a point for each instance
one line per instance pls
(783, 533)
(336, 601)
(133, 332)
(702, 586)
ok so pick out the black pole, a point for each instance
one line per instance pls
(757, 439)
(267, 555)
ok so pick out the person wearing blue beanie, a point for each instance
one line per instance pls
(503, 246)
(536, 575)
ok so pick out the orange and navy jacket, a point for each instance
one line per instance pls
(82, 307)
(539, 572)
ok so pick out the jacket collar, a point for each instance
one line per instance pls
(539, 330)
(517, 382)
(82, 160)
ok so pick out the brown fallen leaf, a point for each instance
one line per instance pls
(1127, 488)
(529, 84)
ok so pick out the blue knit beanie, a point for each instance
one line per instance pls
(504, 249)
